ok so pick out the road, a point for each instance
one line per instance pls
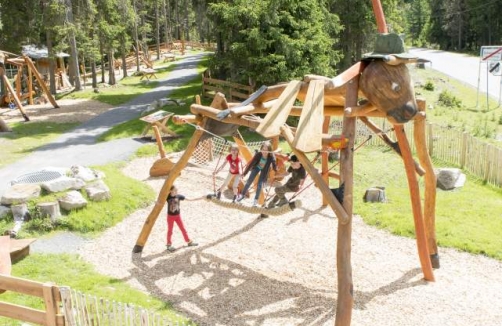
(464, 68)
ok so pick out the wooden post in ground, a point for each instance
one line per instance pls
(430, 184)
(418, 219)
(16, 99)
(345, 300)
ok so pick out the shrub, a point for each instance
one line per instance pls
(429, 85)
(449, 100)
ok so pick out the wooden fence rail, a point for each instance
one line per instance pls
(67, 307)
(232, 91)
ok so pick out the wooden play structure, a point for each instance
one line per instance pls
(377, 86)
(26, 71)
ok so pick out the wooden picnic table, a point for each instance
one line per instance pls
(159, 119)
(148, 74)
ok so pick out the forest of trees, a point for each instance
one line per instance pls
(258, 41)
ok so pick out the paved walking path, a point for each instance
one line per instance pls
(79, 147)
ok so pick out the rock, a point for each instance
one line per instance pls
(62, 184)
(72, 200)
(20, 212)
(449, 178)
(84, 173)
(98, 191)
(375, 195)
(20, 193)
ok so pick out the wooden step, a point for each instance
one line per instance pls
(20, 248)
(308, 137)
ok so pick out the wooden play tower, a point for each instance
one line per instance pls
(377, 86)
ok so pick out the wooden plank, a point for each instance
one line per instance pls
(26, 314)
(273, 121)
(20, 285)
(20, 248)
(309, 132)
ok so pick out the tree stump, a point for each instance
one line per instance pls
(50, 209)
(4, 127)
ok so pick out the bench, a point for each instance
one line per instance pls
(148, 74)
(169, 57)
(159, 119)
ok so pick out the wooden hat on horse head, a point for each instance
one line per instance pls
(386, 81)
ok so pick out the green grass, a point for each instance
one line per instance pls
(27, 137)
(467, 218)
(70, 270)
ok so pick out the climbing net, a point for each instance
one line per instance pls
(213, 149)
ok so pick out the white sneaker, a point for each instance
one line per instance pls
(239, 198)
(255, 203)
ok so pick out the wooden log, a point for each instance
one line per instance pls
(345, 299)
(41, 82)
(50, 209)
(360, 110)
(278, 114)
(16, 99)
(212, 113)
(418, 219)
(308, 137)
(430, 184)
(316, 177)
(325, 158)
(183, 119)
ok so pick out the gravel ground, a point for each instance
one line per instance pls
(282, 270)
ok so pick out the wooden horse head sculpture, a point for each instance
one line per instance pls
(386, 82)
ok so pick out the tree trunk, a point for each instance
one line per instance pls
(157, 29)
(73, 48)
(111, 68)
(50, 210)
(52, 64)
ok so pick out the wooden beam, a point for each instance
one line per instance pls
(345, 300)
(418, 219)
(5, 263)
(308, 137)
(430, 183)
(16, 99)
(278, 114)
(41, 82)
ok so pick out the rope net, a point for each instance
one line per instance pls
(213, 150)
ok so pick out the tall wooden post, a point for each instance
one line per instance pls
(325, 157)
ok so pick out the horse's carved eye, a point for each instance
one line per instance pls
(395, 87)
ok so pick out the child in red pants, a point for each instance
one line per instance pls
(173, 216)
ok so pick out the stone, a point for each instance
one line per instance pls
(447, 178)
(72, 200)
(98, 191)
(20, 193)
(375, 195)
(62, 184)
(84, 173)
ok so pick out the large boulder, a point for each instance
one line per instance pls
(62, 184)
(98, 191)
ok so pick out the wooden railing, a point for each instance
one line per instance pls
(67, 307)
(233, 92)
(47, 291)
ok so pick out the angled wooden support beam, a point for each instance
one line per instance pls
(430, 184)
(14, 96)
(41, 81)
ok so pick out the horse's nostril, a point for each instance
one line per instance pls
(404, 113)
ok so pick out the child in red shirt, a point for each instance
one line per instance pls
(234, 171)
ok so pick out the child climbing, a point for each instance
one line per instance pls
(174, 216)
(234, 171)
(259, 165)
(294, 183)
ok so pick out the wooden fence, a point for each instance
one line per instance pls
(233, 92)
(452, 146)
(67, 307)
